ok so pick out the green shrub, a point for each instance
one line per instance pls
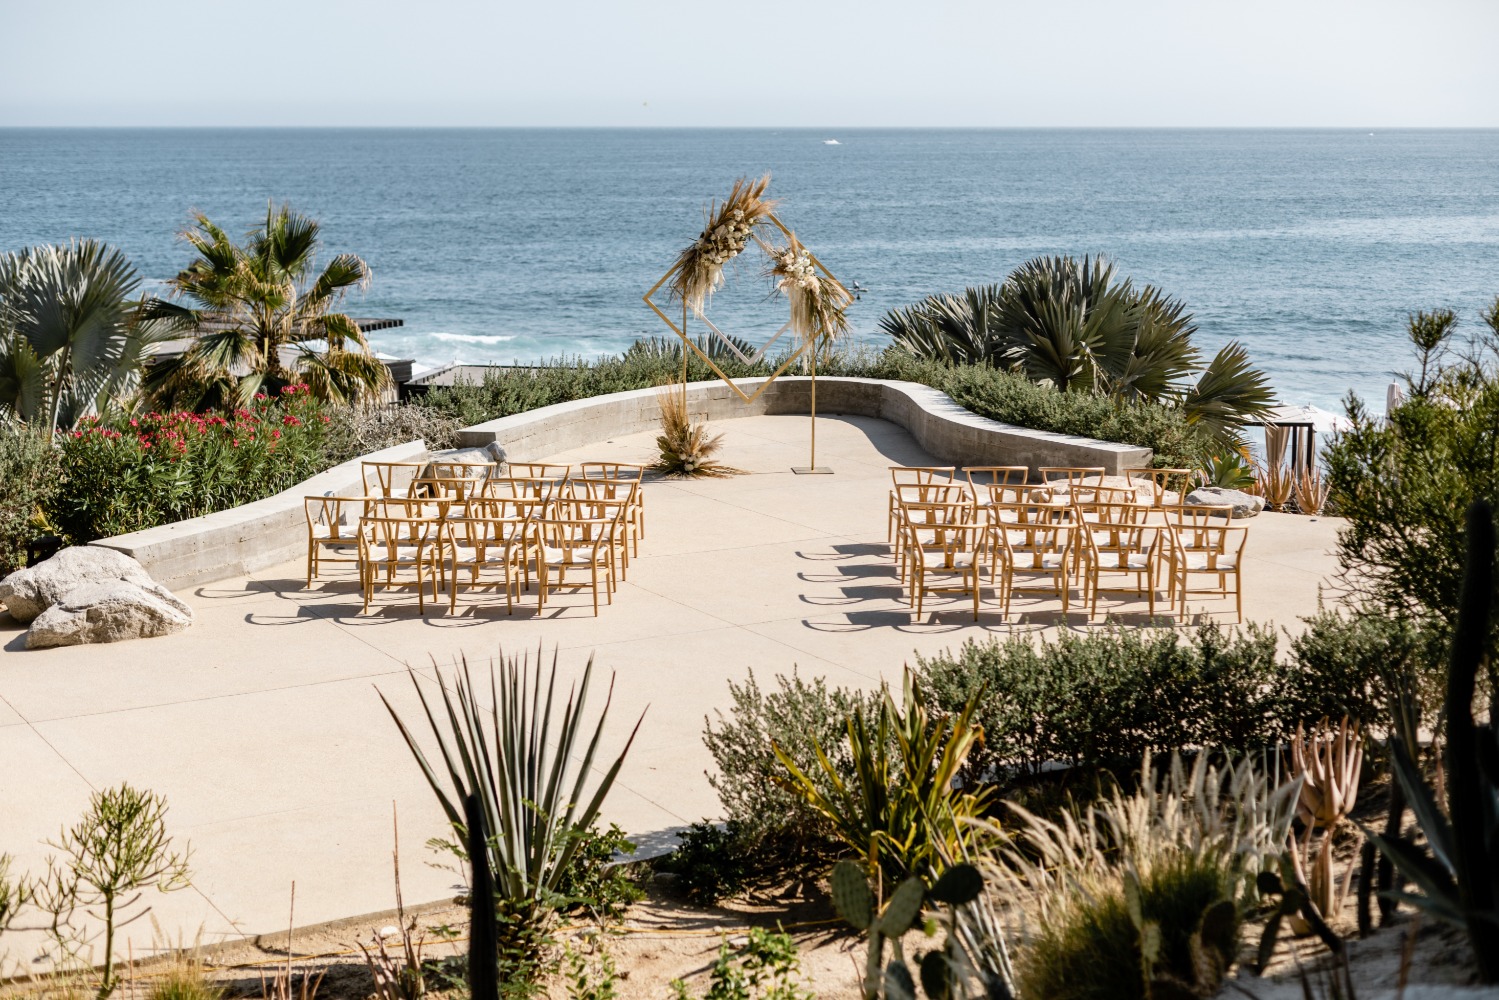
(138, 473)
(1109, 697)
(714, 862)
(1404, 482)
(798, 716)
(30, 476)
(766, 969)
(596, 878)
(1348, 661)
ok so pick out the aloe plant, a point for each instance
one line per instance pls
(527, 765)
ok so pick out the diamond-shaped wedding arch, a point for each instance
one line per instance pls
(816, 298)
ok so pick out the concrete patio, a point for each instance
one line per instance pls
(262, 726)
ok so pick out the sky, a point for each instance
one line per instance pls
(1151, 63)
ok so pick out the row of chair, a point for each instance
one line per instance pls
(1039, 537)
(468, 525)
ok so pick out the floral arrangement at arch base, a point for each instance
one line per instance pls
(686, 449)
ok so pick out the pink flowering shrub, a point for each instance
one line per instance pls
(164, 467)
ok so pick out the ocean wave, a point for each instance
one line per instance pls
(470, 338)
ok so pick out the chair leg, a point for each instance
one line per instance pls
(594, 570)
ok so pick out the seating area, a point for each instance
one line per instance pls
(482, 532)
(987, 533)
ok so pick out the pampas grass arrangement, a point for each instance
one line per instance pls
(686, 449)
(817, 300)
(699, 269)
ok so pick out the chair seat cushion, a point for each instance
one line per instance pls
(1024, 559)
(1199, 561)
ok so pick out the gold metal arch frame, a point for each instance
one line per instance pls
(681, 330)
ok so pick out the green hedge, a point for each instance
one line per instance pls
(1109, 697)
(989, 392)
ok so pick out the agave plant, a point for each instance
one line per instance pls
(527, 765)
(73, 335)
(266, 298)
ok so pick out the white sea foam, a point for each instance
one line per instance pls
(470, 338)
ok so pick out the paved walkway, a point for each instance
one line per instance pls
(262, 727)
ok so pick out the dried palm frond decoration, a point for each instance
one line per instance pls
(686, 449)
(817, 299)
(699, 268)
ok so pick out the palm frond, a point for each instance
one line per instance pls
(1229, 391)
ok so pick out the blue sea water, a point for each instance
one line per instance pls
(521, 244)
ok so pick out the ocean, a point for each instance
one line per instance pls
(503, 245)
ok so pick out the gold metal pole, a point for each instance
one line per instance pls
(813, 468)
(684, 354)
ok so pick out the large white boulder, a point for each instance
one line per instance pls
(1243, 504)
(28, 592)
(109, 611)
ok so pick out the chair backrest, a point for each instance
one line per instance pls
(984, 480)
(1200, 515)
(924, 493)
(539, 470)
(399, 533)
(389, 479)
(1115, 495)
(457, 488)
(480, 532)
(1161, 480)
(340, 515)
(521, 487)
(600, 488)
(1032, 512)
(1072, 482)
(611, 470)
(921, 475)
(571, 534)
(1033, 538)
(464, 470)
(1212, 540)
(1111, 544)
(408, 507)
(591, 508)
(948, 537)
(1111, 513)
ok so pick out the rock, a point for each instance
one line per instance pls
(1244, 505)
(492, 452)
(29, 592)
(109, 611)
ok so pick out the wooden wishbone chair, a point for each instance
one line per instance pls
(927, 525)
(991, 484)
(913, 475)
(1216, 551)
(332, 525)
(577, 544)
(1160, 482)
(941, 493)
(1125, 547)
(483, 542)
(390, 479)
(1034, 551)
(540, 470)
(610, 489)
(1072, 480)
(407, 551)
(955, 552)
(622, 472)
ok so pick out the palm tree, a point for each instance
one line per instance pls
(1071, 325)
(264, 299)
(73, 336)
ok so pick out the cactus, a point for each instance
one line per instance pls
(1295, 901)
(1458, 877)
(855, 902)
(1213, 945)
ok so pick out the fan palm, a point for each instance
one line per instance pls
(73, 335)
(1071, 325)
(265, 298)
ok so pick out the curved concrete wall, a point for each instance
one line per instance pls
(243, 539)
(252, 536)
(943, 428)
